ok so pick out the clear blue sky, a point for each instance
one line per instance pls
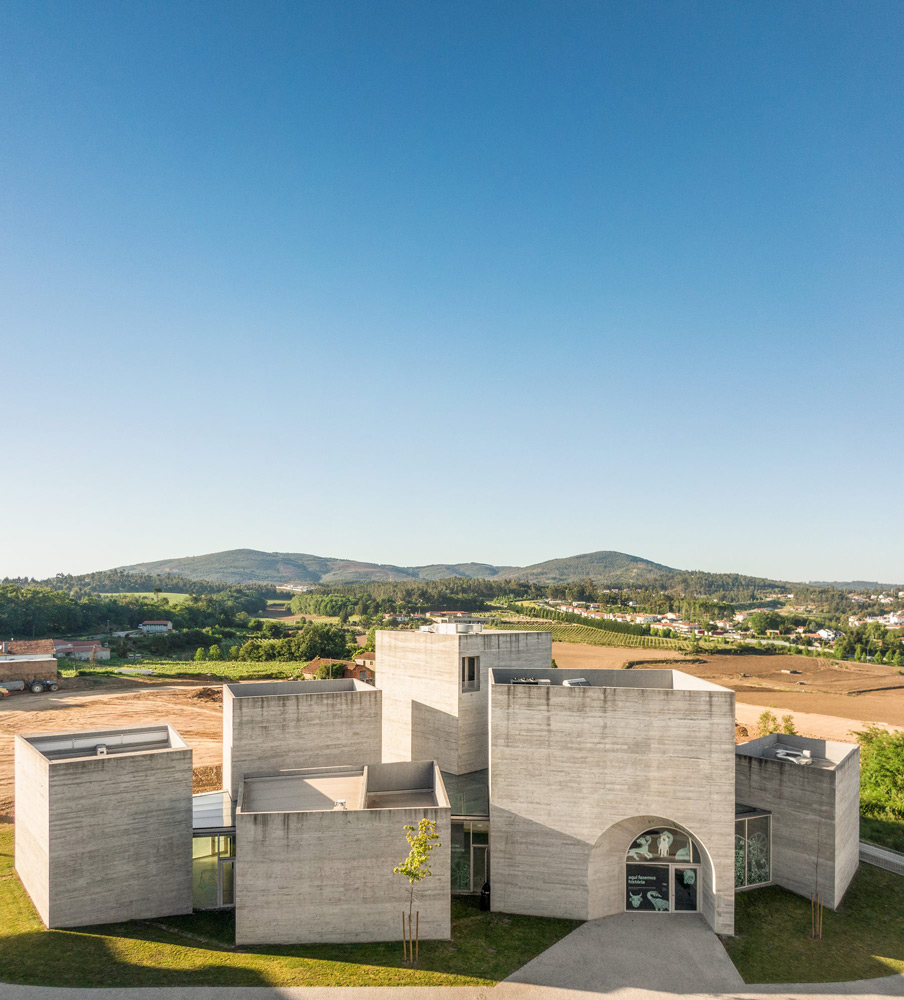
(414, 282)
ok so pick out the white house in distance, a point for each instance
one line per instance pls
(155, 627)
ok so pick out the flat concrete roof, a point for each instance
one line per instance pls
(667, 680)
(402, 785)
(84, 744)
(801, 751)
(269, 689)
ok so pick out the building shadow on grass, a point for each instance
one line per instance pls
(85, 958)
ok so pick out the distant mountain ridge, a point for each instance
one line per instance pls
(253, 566)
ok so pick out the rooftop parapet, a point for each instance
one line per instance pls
(802, 751)
(82, 744)
(664, 680)
(401, 785)
(266, 689)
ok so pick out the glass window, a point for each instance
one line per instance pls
(461, 857)
(740, 853)
(664, 844)
(470, 673)
(758, 860)
(647, 887)
(686, 882)
(753, 845)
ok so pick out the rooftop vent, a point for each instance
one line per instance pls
(101, 749)
(339, 804)
(576, 682)
(794, 756)
(531, 680)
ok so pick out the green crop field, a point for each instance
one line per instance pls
(150, 595)
(562, 632)
(203, 670)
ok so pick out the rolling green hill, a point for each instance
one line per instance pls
(252, 566)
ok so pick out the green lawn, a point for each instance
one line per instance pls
(202, 670)
(864, 939)
(885, 830)
(485, 948)
(150, 595)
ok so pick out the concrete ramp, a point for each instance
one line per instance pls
(643, 952)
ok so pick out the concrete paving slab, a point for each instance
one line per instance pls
(641, 951)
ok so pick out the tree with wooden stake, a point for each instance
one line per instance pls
(422, 839)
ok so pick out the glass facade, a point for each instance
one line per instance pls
(470, 855)
(212, 872)
(469, 794)
(662, 872)
(753, 849)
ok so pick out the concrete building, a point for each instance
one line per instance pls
(273, 725)
(571, 793)
(316, 850)
(103, 824)
(611, 788)
(435, 685)
(799, 822)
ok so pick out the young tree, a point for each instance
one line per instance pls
(422, 839)
(214, 653)
(200, 654)
(767, 723)
(788, 725)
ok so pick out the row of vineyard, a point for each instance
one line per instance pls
(593, 636)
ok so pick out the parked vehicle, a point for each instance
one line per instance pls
(34, 686)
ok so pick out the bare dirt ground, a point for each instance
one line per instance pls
(827, 698)
(198, 720)
(578, 655)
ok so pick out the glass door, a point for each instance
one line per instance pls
(226, 882)
(685, 882)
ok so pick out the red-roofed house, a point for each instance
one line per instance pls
(153, 627)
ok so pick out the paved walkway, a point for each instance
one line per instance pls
(881, 857)
(652, 952)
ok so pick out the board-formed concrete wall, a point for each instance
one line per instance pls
(577, 773)
(426, 715)
(105, 839)
(277, 725)
(327, 876)
(815, 813)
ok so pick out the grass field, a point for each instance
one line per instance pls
(485, 948)
(226, 670)
(864, 939)
(886, 831)
(150, 595)
(563, 632)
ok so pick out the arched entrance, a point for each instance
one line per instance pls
(663, 872)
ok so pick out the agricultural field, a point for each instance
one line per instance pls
(202, 670)
(149, 595)
(562, 632)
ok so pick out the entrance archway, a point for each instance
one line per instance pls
(608, 871)
(662, 872)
